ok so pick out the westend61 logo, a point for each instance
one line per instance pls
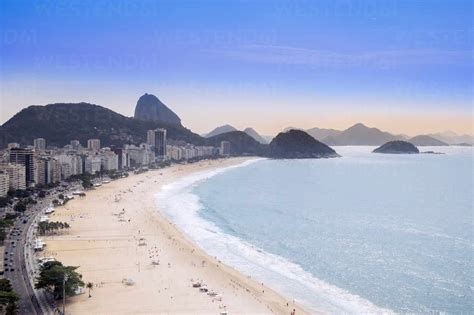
(338, 8)
(93, 8)
(22, 37)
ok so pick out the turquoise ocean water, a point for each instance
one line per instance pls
(362, 233)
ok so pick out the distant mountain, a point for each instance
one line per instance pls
(268, 139)
(359, 134)
(397, 147)
(150, 108)
(453, 138)
(220, 130)
(320, 134)
(62, 122)
(297, 144)
(424, 140)
(240, 143)
(251, 132)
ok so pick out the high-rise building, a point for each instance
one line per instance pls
(160, 144)
(39, 144)
(150, 137)
(24, 157)
(74, 163)
(93, 144)
(4, 183)
(66, 170)
(16, 175)
(139, 156)
(75, 144)
(225, 148)
(41, 172)
(123, 158)
(48, 170)
(109, 161)
(92, 164)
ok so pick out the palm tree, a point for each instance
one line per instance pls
(90, 286)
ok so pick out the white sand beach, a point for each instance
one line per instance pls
(118, 233)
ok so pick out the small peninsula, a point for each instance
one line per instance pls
(397, 147)
(297, 144)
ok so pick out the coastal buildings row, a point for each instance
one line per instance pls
(26, 166)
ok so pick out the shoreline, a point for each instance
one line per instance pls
(111, 244)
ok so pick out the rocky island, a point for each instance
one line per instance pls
(397, 147)
(297, 144)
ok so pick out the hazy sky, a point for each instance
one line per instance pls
(402, 66)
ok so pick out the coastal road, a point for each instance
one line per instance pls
(15, 251)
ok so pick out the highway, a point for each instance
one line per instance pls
(16, 250)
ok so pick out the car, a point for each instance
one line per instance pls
(12, 269)
(6, 258)
(5, 265)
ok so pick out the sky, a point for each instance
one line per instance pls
(402, 66)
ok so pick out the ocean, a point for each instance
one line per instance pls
(364, 233)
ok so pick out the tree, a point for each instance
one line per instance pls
(61, 196)
(42, 194)
(90, 286)
(4, 201)
(52, 276)
(8, 297)
(5, 285)
(20, 207)
(45, 227)
(86, 183)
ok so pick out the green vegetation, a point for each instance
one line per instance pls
(19, 193)
(52, 227)
(20, 207)
(59, 123)
(297, 144)
(4, 225)
(85, 178)
(240, 143)
(52, 276)
(4, 201)
(8, 297)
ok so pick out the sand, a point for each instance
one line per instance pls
(111, 245)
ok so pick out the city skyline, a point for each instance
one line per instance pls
(405, 66)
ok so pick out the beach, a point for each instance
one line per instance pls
(140, 263)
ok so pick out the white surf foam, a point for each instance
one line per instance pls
(182, 207)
